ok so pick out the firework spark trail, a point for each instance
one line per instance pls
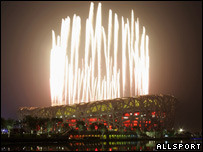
(123, 54)
(70, 84)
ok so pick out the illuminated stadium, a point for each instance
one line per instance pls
(145, 112)
(104, 88)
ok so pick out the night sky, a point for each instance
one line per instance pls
(175, 49)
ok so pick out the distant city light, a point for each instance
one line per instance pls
(4, 131)
(181, 130)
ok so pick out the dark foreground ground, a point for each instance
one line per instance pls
(30, 139)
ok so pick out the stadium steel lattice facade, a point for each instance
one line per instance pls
(146, 112)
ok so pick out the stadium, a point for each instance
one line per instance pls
(146, 112)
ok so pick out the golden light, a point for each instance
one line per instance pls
(71, 83)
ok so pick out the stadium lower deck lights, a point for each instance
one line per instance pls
(146, 112)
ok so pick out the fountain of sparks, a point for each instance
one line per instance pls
(72, 84)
